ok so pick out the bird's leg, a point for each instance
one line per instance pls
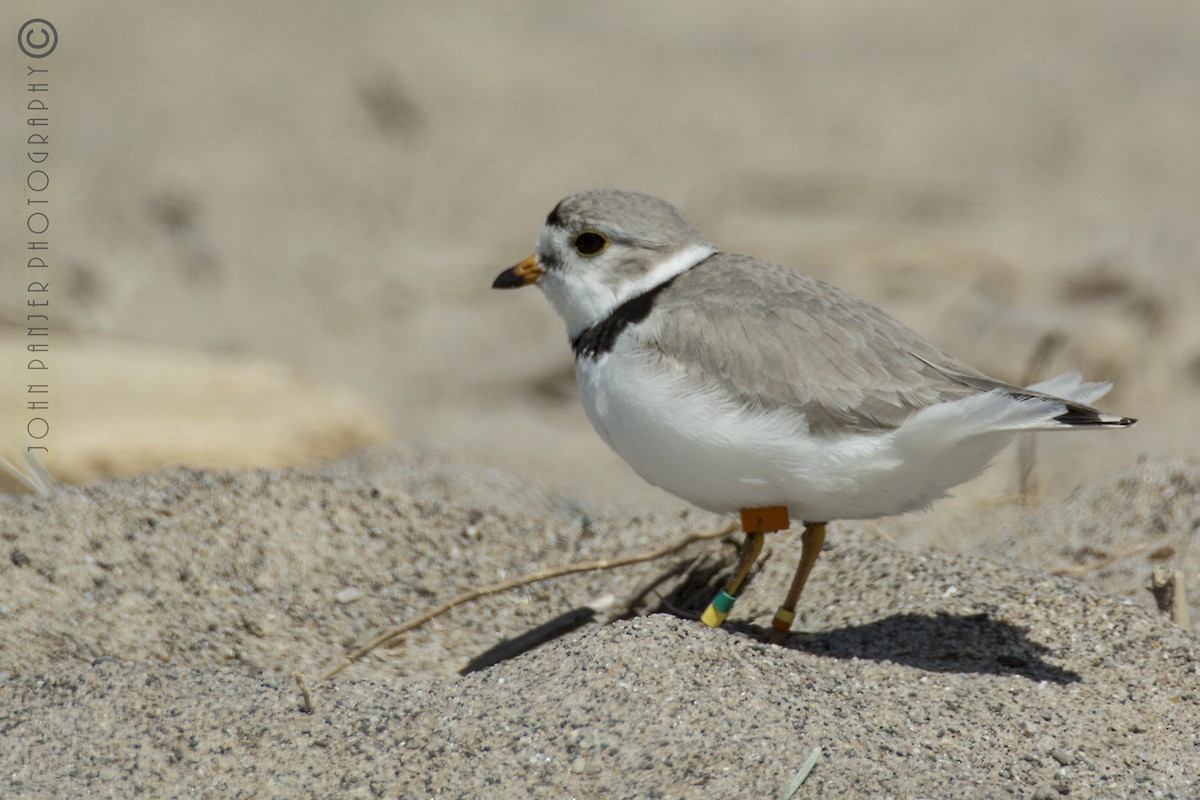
(756, 522)
(812, 539)
(719, 608)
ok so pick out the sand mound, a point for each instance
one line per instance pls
(151, 626)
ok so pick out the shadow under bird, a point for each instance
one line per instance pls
(743, 386)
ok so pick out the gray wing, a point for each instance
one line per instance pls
(774, 337)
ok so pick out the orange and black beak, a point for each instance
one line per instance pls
(519, 275)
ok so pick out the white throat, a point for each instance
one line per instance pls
(582, 299)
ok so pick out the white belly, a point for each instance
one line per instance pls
(700, 446)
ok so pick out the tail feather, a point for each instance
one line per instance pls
(1070, 386)
(1077, 415)
(1077, 396)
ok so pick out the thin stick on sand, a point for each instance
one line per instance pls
(1169, 593)
(309, 705)
(1107, 561)
(523, 580)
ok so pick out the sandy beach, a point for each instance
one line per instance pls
(288, 412)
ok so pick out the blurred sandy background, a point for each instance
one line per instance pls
(322, 195)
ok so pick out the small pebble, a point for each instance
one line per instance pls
(346, 596)
(1062, 756)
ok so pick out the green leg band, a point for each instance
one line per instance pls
(718, 609)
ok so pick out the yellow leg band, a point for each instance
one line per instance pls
(718, 609)
(783, 619)
(713, 618)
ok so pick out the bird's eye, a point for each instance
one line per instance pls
(590, 243)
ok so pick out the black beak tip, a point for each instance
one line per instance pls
(509, 279)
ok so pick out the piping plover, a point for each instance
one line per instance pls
(740, 385)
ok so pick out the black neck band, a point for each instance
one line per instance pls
(596, 340)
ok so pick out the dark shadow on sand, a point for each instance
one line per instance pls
(973, 643)
(970, 643)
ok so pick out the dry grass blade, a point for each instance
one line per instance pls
(523, 580)
(873, 527)
(1043, 351)
(801, 774)
(1083, 569)
(35, 478)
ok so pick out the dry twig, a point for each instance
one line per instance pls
(1169, 593)
(1043, 351)
(1083, 569)
(309, 705)
(523, 580)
